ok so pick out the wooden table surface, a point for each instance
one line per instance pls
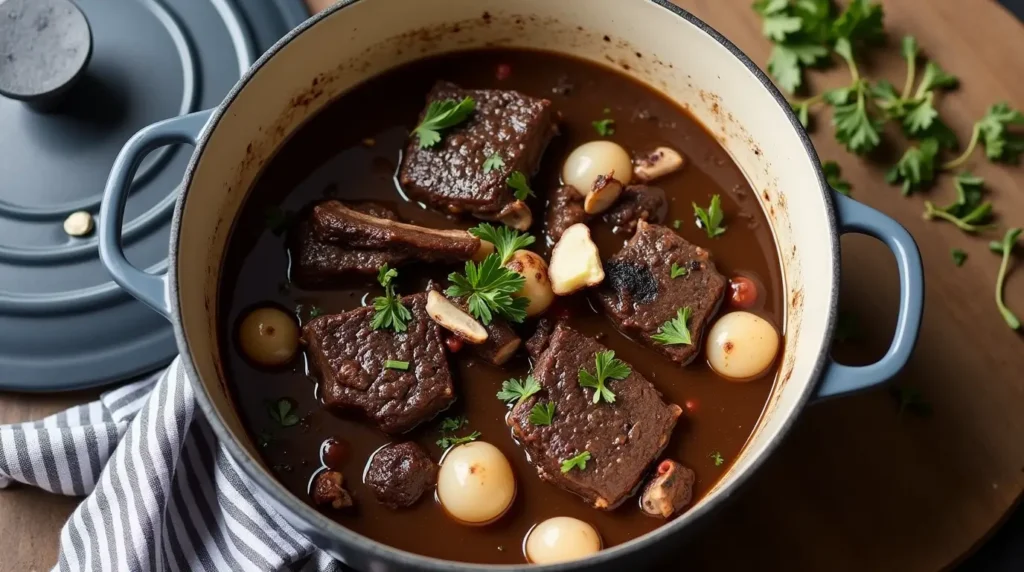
(857, 486)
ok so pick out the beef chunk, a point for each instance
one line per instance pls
(327, 490)
(640, 294)
(669, 491)
(636, 203)
(565, 208)
(318, 265)
(336, 224)
(450, 176)
(502, 341)
(623, 437)
(399, 474)
(347, 356)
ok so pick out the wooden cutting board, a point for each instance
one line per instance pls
(857, 486)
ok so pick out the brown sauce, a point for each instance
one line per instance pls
(332, 156)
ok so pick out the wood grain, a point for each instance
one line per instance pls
(857, 486)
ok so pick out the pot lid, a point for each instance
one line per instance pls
(76, 81)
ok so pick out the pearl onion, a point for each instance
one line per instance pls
(269, 336)
(595, 158)
(561, 539)
(475, 484)
(741, 346)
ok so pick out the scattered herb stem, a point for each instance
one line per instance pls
(1006, 249)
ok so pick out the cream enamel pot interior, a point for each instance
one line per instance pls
(356, 39)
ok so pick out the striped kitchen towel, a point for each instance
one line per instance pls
(162, 494)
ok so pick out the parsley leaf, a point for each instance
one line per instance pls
(488, 287)
(449, 426)
(711, 219)
(935, 77)
(800, 32)
(283, 411)
(860, 23)
(493, 162)
(1001, 144)
(920, 115)
(833, 177)
(607, 368)
(451, 440)
(577, 462)
(396, 364)
(787, 61)
(542, 414)
(506, 240)
(968, 212)
(854, 126)
(675, 331)
(916, 169)
(676, 271)
(315, 311)
(389, 312)
(442, 115)
(278, 220)
(515, 390)
(778, 25)
(1006, 249)
(717, 459)
(959, 257)
(520, 186)
(604, 127)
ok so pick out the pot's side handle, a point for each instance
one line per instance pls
(149, 288)
(862, 219)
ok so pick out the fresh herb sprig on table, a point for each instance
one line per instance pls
(440, 115)
(1005, 248)
(488, 288)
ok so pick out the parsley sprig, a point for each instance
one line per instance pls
(1005, 248)
(389, 312)
(604, 127)
(283, 411)
(442, 114)
(542, 413)
(518, 391)
(577, 462)
(506, 240)
(711, 219)
(606, 368)
(675, 331)
(994, 131)
(493, 162)
(520, 186)
(968, 212)
(676, 271)
(488, 288)
(449, 426)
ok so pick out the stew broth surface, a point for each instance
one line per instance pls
(350, 151)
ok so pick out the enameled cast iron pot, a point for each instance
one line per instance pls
(651, 40)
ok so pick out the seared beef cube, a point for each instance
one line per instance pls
(636, 203)
(337, 224)
(318, 265)
(347, 355)
(399, 474)
(450, 176)
(669, 491)
(502, 341)
(640, 295)
(327, 490)
(623, 437)
(565, 208)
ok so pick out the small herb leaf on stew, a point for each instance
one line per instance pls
(451, 440)
(488, 287)
(396, 364)
(315, 311)
(493, 162)
(717, 458)
(607, 368)
(283, 411)
(675, 331)
(278, 220)
(1006, 249)
(506, 240)
(542, 413)
(604, 127)
(515, 390)
(520, 186)
(389, 312)
(676, 224)
(676, 271)
(577, 462)
(711, 219)
(442, 115)
(959, 257)
(449, 424)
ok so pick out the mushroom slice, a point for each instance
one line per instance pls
(604, 193)
(516, 215)
(451, 318)
(656, 164)
(575, 261)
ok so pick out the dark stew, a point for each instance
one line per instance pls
(379, 180)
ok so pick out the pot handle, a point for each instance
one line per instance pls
(862, 219)
(149, 288)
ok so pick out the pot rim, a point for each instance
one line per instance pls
(252, 468)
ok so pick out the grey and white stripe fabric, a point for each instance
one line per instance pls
(162, 494)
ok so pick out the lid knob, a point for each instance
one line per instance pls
(44, 47)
